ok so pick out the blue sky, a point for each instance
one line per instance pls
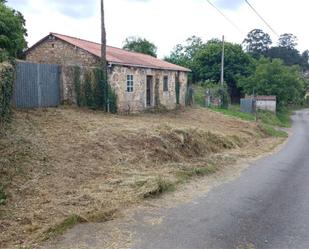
(164, 22)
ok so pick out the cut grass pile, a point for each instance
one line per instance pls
(60, 167)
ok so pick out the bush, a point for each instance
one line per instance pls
(274, 78)
(7, 72)
(94, 91)
(215, 91)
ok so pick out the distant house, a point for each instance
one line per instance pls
(267, 103)
(139, 80)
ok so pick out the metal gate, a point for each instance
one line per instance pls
(36, 85)
(247, 105)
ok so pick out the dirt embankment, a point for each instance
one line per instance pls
(62, 166)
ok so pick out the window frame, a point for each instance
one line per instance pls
(130, 83)
(165, 84)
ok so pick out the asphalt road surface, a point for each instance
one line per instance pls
(266, 207)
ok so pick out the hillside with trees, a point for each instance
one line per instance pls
(256, 65)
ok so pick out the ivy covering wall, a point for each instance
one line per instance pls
(7, 72)
(93, 91)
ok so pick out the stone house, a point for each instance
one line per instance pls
(140, 81)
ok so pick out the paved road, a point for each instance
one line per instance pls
(266, 207)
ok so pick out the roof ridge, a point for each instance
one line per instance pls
(53, 33)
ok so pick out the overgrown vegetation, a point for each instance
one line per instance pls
(7, 71)
(93, 91)
(274, 78)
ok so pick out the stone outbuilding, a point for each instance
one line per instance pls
(140, 81)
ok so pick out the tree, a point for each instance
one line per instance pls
(257, 43)
(184, 54)
(12, 32)
(141, 45)
(274, 78)
(290, 56)
(207, 64)
(288, 41)
(305, 60)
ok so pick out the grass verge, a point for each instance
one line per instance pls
(74, 219)
(272, 131)
(235, 113)
(60, 228)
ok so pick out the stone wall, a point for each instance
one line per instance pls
(136, 101)
(62, 53)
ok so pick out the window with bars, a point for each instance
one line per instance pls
(130, 83)
(165, 84)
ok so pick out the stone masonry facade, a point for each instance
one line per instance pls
(56, 51)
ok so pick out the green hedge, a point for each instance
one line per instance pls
(93, 91)
(7, 72)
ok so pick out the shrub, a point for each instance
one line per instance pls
(94, 91)
(7, 72)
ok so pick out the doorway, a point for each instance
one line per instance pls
(149, 90)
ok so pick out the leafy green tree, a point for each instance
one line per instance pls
(207, 65)
(141, 45)
(274, 78)
(288, 41)
(12, 32)
(257, 43)
(184, 54)
(305, 60)
(290, 56)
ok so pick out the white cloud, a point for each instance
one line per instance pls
(164, 22)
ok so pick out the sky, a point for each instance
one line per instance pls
(166, 23)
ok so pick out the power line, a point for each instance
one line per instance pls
(258, 14)
(226, 18)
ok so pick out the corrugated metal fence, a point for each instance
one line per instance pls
(248, 105)
(36, 85)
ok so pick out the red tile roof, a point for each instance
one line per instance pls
(119, 56)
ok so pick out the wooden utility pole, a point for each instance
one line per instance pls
(222, 63)
(103, 53)
(103, 38)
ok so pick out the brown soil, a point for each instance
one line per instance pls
(56, 163)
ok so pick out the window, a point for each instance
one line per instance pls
(165, 84)
(129, 83)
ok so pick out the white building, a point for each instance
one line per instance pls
(267, 103)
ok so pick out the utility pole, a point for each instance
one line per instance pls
(103, 52)
(222, 63)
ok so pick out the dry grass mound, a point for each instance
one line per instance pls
(59, 167)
